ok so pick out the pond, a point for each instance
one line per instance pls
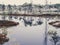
(28, 35)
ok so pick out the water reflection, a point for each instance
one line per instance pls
(29, 21)
(10, 17)
(20, 18)
(15, 17)
(39, 22)
(28, 35)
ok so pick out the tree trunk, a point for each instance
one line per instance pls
(54, 43)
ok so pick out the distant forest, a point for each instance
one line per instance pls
(55, 5)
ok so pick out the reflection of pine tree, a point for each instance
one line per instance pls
(54, 36)
(10, 17)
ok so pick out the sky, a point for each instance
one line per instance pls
(20, 2)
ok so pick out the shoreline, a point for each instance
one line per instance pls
(35, 15)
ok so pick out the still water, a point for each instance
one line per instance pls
(30, 35)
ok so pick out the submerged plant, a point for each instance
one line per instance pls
(4, 30)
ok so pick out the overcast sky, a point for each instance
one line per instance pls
(18, 2)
